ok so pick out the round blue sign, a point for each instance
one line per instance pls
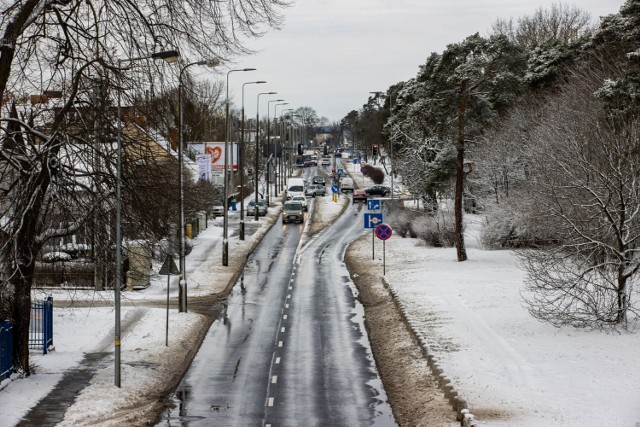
(335, 188)
(383, 231)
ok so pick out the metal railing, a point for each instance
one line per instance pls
(6, 349)
(41, 325)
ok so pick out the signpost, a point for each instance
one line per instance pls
(372, 220)
(168, 268)
(383, 232)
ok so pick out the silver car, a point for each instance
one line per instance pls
(262, 208)
(314, 190)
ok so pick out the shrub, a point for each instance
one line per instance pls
(374, 174)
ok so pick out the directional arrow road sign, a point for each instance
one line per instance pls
(372, 220)
(373, 204)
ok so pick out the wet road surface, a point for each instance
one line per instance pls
(290, 347)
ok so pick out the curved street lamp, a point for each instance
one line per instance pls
(225, 226)
(269, 142)
(283, 165)
(241, 159)
(182, 289)
(169, 56)
(278, 183)
(255, 173)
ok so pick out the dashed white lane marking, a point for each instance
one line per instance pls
(280, 343)
(284, 317)
(282, 330)
(290, 287)
(286, 306)
(277, 360)
(288, 296)
(274, 379)
(271, 401)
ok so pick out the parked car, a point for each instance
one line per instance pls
(314, 190)
(318, 179)
(292, 212)
(359, 195)
(217, 209)
(378, 190)
(302, 200)
(262, 208)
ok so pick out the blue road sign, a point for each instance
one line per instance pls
(372, 220)
(335, 188)
(340, 171)
(373, 204)
(356, 160)
(383, 231)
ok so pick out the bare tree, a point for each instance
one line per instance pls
(586, 187)
(48, 161)
(561, 23)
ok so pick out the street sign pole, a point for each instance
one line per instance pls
(373, 244)
(384, 258)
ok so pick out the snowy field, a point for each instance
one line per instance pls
(512, 369)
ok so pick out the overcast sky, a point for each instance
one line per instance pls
(331, 53)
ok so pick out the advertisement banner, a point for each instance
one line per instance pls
(204, 166)
(216, 151)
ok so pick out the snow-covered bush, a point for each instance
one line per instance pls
(435, 229)
(511, 224)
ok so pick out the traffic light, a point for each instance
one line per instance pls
(375, 150)
(326, 150)
(299, 149)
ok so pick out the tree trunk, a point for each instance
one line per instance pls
(21, 318)
(458, 233)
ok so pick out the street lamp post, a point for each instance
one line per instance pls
(241, 160)
(258, 146)
(168, 56)
(225, 226)
(182, 289)
(269, 142)
(278, 183)
(283, 166)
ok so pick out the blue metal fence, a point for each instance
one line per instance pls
(6, 349)
(41, 326)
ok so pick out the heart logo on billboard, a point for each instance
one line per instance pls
(215, 152)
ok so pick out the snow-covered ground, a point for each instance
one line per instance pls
(510, 368)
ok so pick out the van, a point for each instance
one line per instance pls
(346, 184)
(295, 187)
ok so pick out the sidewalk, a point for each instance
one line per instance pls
(74, 384)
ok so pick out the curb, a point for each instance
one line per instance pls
(457, 402)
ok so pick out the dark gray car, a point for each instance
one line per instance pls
(292, 212)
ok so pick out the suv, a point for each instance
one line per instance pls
(292, 212)
(262, 208)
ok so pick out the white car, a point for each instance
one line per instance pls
(302, 200)
(326, 161)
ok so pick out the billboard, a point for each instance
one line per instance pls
(216, 151)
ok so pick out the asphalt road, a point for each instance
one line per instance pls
(290, 348)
